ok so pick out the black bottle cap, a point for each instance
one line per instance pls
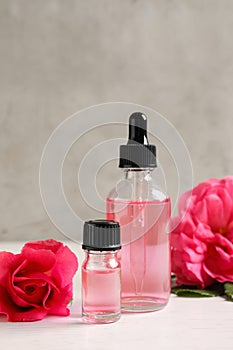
(138, 153)
(101, 235)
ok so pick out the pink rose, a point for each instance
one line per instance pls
(202, 242)
(37, 282)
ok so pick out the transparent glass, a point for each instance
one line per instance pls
(101, 287)
(143, 211)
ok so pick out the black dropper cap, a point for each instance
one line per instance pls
(101, 235)
(138, 153)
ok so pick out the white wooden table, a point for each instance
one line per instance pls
(190, 324)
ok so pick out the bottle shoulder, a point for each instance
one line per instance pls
(101, 262)
(147, 190)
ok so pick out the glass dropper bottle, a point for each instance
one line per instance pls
(143, 211)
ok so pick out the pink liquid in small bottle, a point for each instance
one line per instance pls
(101, 292)
(145, 253)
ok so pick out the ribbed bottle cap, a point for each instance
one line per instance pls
(138, 153)
(101, 235)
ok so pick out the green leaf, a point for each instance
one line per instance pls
(194, 293)
(228, 287)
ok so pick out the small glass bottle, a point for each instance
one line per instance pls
(101, 285)
(143, 211)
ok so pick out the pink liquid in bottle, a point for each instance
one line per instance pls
(101, 292)
(145, 253)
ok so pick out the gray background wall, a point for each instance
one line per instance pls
(60, 56)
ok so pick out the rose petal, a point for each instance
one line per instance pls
(201, 189)
(191, 256)
(196, 271)
(203, 233)
(38, 260)
(200, 212)
(6, 261)
(38, 276)
(218, 212)
(16, 297)
(229, 233)
(219, 262)
(49, 244)
(227, 202)
(15, 313)
(66, 265)
(189, 273)
(228, 184)
(57, 303)
(66, 261)
(32, 291)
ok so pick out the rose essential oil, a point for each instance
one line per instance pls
(101, 283)
(143, 212)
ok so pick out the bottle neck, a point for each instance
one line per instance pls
(137, 173)
(102, 252)
(140, 180)
(101, 258)
(97, 256)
